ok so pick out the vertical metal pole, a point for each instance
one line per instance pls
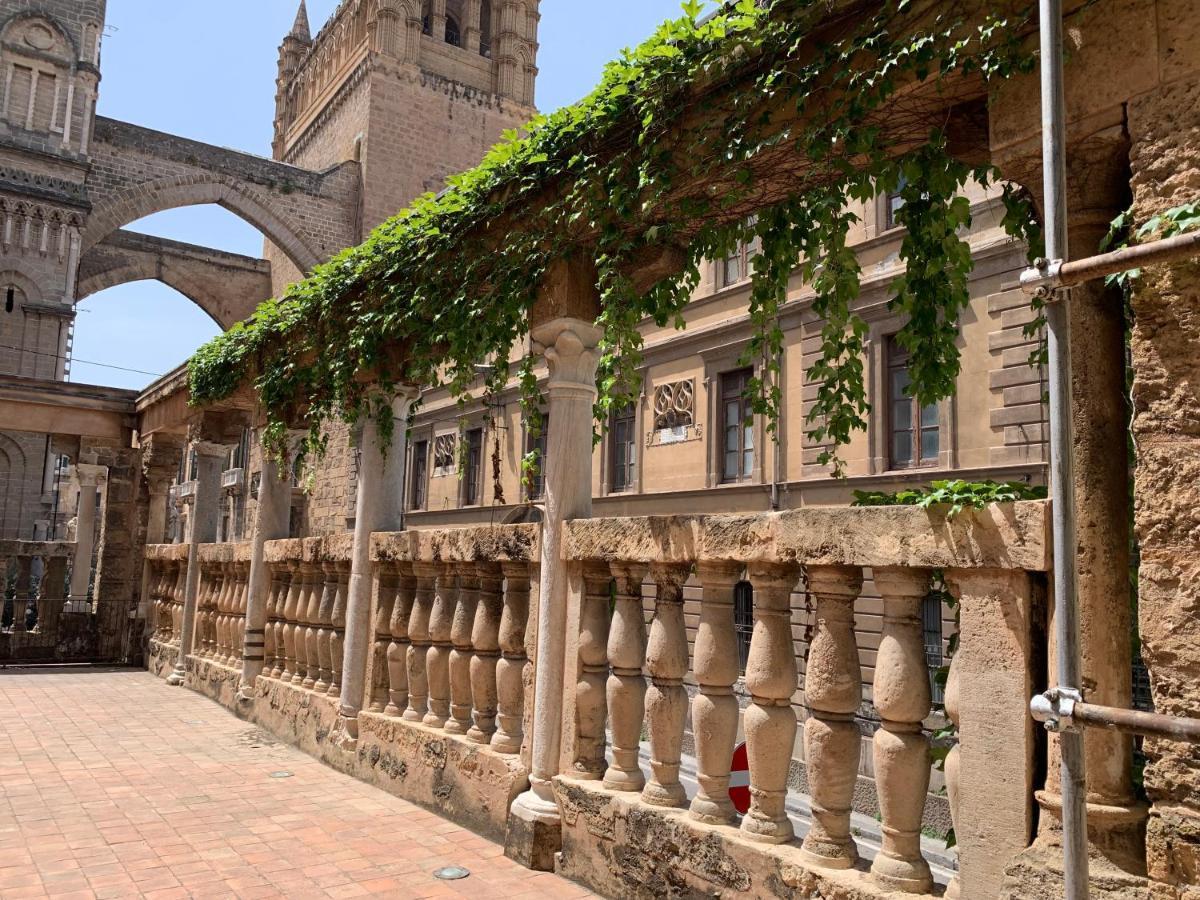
(1066, 607)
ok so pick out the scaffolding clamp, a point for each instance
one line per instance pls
(1055, 709)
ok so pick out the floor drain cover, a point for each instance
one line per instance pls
(281, 774)
(451, 873)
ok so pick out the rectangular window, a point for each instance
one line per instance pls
(623, 443)
(420, 475)
(914, 434)
(735, 268)
(537, 486)
(473, 473)
(737, 436)
(894, 203)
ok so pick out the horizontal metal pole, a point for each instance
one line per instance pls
(1135, 722)
(1049, 275)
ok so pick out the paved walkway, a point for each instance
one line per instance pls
(114, 785)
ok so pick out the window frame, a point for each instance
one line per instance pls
(627, 482)
(537, 491)
(744, 473)
(743, 621)
(895, 358)
(472, 476)
(418, 476)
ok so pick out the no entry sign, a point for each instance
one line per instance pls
(739, 779)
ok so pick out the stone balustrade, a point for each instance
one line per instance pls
(166, 583)
(221, 602)
(635, 664)
(306, 612)
(451, 621)
(37, 572)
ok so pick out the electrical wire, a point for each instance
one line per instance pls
(86, 362)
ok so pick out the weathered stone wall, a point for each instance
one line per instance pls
(1164, 125)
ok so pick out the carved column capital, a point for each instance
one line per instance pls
(570, 347)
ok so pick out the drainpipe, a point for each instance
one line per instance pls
(1066, 610)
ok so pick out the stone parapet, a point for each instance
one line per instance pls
(1013, 536)
(494, 543)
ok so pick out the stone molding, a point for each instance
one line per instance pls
(1012, 536)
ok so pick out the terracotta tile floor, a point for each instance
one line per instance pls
(114, 785)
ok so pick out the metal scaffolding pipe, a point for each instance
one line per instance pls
(1066, 606)
(1051, 275)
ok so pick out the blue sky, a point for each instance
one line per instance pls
(206, 69)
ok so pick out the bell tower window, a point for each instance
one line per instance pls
(453, 35)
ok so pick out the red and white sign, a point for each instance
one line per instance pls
(739, 779)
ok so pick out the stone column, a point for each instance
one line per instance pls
(272, 522)
(202, 529)
(90, 478)
(380, 508)
(570, 348)
(1097, 187)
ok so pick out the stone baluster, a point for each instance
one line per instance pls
(715, 709)
(770, 722)
(24, 592)
(900, 747)
(338, 638)
(305, 634)
(224, 607)
(325, 627)
(398, 645)
(290, 606)
(274, 631)
(312, 622)
(419, 636)
(833, 691)
(179, 601)
(591, 702)
(952, 768)
(460, 657)
(666, 700)
(387, 583)
(437, 662)
(205, 640)
(510, 682)
(485, 639)
(626, 685)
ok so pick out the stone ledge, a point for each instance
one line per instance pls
(1008, 536)
(331, 548)
(621, 848)
(490, 543)
(224, 553)
(167, 552)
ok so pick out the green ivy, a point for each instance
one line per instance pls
(956, 494)
(448, 283)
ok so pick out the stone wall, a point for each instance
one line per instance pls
(1164, 125)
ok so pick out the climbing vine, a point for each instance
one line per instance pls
(661, 161)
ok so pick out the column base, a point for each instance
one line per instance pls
(345, 733)
(1116, 854)
(177, 677)
(534, 834)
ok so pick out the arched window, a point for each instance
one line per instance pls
(743, 621)
(453, 35)
(426, 19)
(485, 29)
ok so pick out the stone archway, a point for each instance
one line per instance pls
(147, 199)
